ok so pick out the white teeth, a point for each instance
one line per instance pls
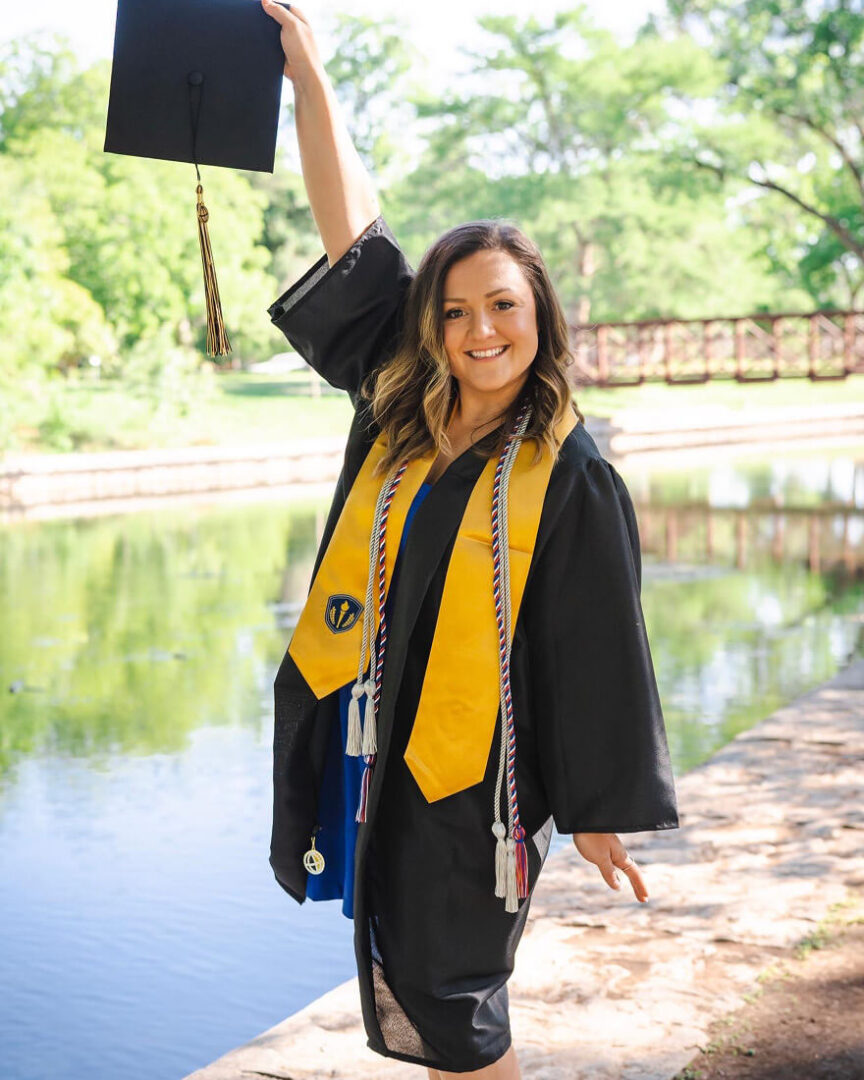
(487, 352)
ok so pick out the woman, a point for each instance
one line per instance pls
(471, 665)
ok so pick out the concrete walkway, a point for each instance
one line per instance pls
(635, 430)
(54, 485)
(772, 834)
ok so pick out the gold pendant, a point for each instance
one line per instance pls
(313, 860)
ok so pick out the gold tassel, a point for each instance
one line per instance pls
(217, 337)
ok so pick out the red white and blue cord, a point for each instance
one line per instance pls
(367, 745)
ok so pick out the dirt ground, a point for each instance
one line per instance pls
(805, 1019)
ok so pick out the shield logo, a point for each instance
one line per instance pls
(342, 613)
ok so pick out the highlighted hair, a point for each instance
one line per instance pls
(414, 393)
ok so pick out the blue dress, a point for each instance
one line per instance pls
(340, 785)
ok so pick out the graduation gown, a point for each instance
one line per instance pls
(434, 946)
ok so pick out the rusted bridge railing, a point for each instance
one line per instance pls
(753, 348)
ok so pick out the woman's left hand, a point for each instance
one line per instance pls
(607, 852)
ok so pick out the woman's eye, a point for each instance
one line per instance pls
(458, 311)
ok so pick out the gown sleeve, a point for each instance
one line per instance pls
(342, 319)
(601, 738)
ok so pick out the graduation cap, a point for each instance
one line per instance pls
(197, 81)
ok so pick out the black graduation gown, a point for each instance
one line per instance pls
(434, 946)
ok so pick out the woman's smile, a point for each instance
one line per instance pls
(486, 354)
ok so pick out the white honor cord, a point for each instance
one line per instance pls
(504, 561)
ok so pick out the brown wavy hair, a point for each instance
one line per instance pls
(413, 394)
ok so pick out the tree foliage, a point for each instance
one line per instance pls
(790, 120)
(712, 166)
(563, 129)
(107, 244)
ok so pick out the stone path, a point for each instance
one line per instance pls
(609, 989)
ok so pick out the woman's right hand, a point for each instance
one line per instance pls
(607, 852)
(341, 193)
(298, 42)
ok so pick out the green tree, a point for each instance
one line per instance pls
(562, 128)
(790, 121)
(128, 224)
(47, 319)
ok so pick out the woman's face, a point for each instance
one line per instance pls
(488, 303)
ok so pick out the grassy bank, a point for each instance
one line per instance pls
(236, 408)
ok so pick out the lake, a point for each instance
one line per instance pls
(143, 931)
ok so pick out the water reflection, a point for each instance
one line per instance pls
(125, 634)
(145, 934)
(753, 587)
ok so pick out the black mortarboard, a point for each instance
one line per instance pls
(197, 81)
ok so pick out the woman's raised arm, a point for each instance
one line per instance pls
(343, 315)
(341, 194)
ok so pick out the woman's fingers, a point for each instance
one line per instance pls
(607, 869)
(626, 863)
(278, 11)
(296, 11)
(608, 854)
(281, 14)
(298, 41)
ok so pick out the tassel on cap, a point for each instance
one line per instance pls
(217, 337)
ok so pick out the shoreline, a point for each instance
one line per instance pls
(769, 842)
(38, 486)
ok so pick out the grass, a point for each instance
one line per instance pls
(242, 409)
(724, 393)
(826, 930)
(247, 408)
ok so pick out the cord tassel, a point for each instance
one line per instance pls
(217, 337)
(370, 740)
(353, 744)
(521, 863)
(500, 832)
(360, 816)
(511, 901)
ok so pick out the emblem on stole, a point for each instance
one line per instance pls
(342, 612)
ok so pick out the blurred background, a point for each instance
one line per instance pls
(692, 169)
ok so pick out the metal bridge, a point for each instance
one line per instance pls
(818, 345)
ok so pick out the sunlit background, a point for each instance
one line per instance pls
(662, 171)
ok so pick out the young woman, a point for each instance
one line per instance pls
(471, 666)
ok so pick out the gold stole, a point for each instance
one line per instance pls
(455, 721)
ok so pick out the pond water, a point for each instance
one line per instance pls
(143, 932)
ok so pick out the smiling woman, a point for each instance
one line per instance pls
(478, 587)
(483, 332)
(491, 339)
